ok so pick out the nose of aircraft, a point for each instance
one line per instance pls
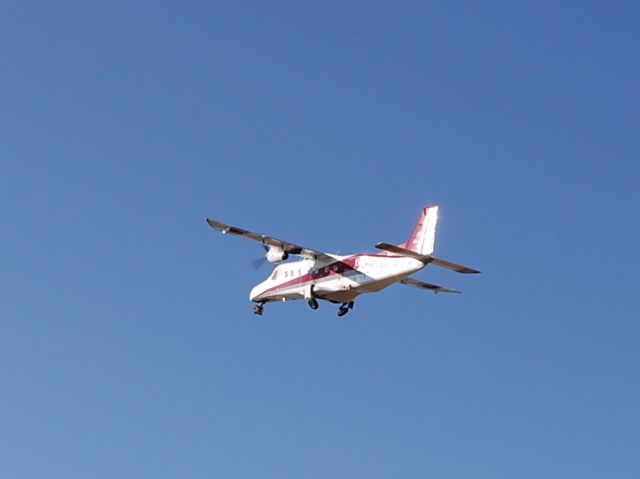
(255, 291)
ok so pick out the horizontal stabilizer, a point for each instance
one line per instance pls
(404, 252)
(426, 259)
(428, 286)
(453, 267)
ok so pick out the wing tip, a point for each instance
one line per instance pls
(470, 271)
(216, 225)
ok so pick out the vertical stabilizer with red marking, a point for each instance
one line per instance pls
(423, 237)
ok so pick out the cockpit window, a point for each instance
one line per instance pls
(275, 274)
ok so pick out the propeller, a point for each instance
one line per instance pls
(259, 262)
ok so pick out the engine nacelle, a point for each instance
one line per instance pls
(276, 255)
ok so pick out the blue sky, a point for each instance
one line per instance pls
(128, 347)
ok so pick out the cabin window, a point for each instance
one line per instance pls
(299, 272)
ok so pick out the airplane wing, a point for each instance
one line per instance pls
(428, 286)
(426, 258)
(290, 248)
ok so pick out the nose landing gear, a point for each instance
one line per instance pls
(313, 303)
(258, 309)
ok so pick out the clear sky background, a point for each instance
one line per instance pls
(127, 343)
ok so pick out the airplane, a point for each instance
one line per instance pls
(340, 279)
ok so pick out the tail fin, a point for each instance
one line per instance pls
(423, 238)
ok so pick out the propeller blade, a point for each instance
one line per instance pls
(257, 263)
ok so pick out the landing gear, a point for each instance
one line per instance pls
(313, 303)
(258, 309)
(344, 308)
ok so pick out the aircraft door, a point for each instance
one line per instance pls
(359, 275)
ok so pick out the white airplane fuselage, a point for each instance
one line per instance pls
(339, 280)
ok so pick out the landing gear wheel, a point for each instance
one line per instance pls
(258, 309)
(313, 303)
(344, 308)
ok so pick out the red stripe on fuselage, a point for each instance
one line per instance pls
(342, 266)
